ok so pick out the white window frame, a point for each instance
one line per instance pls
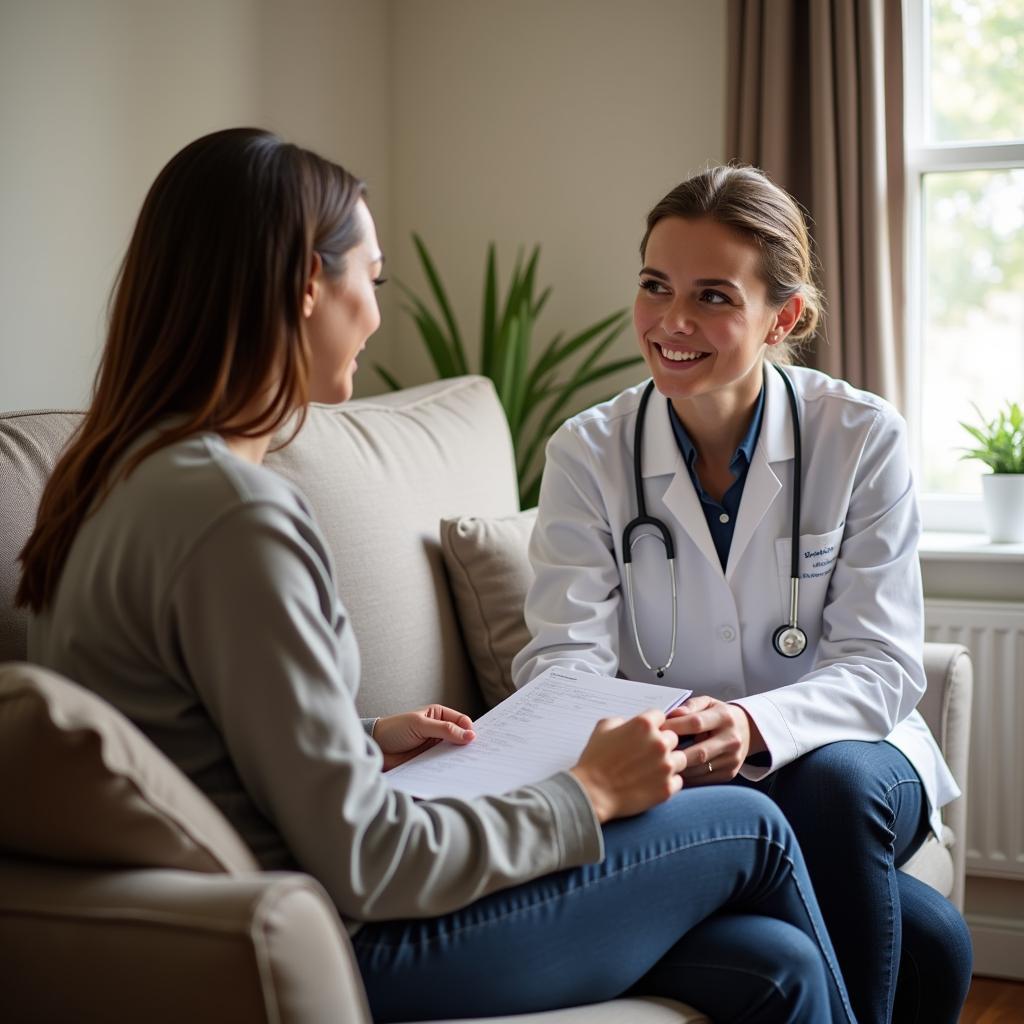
(939, 512)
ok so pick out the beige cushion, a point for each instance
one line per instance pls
(932, 862)
(81, 784)
(30, 443)
(636, 1010)
(490, 573)
(946, 707)
(381, 473)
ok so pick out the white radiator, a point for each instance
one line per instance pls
(994, 634)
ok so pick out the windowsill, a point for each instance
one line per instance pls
(966, 547)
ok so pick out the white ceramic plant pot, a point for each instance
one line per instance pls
(1004, 506)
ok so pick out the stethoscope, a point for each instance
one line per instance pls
(789, 640)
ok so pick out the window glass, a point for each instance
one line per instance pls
(976, 70)
(973, 345)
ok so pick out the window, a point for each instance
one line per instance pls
(965, 249)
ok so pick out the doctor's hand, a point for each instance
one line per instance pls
(628, 766)
(724, 736)
(402, 737)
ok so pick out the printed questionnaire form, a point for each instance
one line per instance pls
(536, 732)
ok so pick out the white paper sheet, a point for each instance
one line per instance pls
(539, 730)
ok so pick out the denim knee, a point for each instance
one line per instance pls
(846, 770)
(797, 971)
(850, 785)
(750, 805)
(727, 809)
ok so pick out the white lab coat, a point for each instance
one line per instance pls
(861, 675)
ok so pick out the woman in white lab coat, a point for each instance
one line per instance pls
(825, 724)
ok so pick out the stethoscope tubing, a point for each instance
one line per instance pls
(788, 640)
(798, 462)
(628, 542)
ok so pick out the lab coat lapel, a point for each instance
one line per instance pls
(775, 444)
(662, 457)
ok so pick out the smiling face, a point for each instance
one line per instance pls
(341, 313)
(702, 316)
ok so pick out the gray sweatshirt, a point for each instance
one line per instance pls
(199, 599)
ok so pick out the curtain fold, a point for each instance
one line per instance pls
(815, 99)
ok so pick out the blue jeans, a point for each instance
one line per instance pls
(859, 811)
(704, 899)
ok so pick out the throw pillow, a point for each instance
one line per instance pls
(79, 783)
(490, 573)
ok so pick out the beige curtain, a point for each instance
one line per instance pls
(815, 99)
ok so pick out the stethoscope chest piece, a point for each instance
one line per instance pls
(789, 641)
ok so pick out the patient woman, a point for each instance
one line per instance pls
(174, 575)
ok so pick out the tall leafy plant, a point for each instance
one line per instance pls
(537, 390)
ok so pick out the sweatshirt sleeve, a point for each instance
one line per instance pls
(269, 649)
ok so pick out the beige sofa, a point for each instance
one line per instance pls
(124, 895)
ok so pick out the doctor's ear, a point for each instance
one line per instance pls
(311, 293)
(786, 318)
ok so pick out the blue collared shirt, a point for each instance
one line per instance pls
(721, 516)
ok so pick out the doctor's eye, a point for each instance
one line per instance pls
(378, 281)
(653, 286)
(714, 298)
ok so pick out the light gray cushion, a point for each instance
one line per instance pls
(30, 443)
(381, 473)
(946, 707)
(648, 1010)
(932, 862)
(490, 574)
(80, 783)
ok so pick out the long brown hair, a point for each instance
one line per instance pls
(746, 199)
(205, 319)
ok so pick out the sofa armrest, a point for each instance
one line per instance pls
(946, 707)
(169, 946)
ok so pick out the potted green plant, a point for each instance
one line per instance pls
(1000, 445)
(537, 391)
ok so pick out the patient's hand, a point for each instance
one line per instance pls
(402, 737)
(627, 767)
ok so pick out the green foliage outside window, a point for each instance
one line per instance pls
(977, 70)
(976, 91)
(975, 223)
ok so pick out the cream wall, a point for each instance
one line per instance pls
(550, 121)
(96, 95)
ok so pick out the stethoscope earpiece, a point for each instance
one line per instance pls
(789, 640)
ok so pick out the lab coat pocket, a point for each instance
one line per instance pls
(817, 557)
